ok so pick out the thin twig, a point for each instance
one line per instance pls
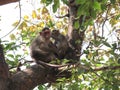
(17, 23)
(107, 68)
(66, 15)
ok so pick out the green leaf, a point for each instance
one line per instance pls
(56, 5)
(11, 63)
(97, 5)
(76, 25)
(106, 44)
(43, 1)
(40, 87)
(10, 55)
(89, 22)
(115, 87)
(50, 24)
(103, 7)
(113, 1)
(93, 13)
(114, 46)
(23, 24)
(118, 60)
(80, 1)
(80, 10)
(86, 51)
(65, 1)
(96, 42)
(15, 23)
(104, 1)
(9, 45)
(48, 2)
(80, 71)
(34, 15)
(12, 37)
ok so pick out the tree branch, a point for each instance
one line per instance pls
(28, 78)
(107, 68)
(36, 75)
(99, 68)
(3, 2)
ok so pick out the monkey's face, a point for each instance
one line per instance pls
(46, 34)
(55, 33)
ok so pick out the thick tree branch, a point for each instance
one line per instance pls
(3, 2)
(40, 74)
(28, 78)
(36, 75)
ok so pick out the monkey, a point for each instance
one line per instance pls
(60, 42)
(42, 49)
(65, 50)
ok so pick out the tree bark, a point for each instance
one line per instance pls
(35, 75)
(3, 2)
(4, 72)
(28, 78)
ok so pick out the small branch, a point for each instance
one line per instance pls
(67, 15)
(98, 69)
(104, 79)
(35, 75)
(105, 21)
(107, 68)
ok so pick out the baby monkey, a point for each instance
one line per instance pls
(42, 49)
(61, 43)
(65, 51)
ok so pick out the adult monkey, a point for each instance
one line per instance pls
(42, 49)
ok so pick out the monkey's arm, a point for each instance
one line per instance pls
(38, 49)
(52, 47)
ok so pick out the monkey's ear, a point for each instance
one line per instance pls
(56, 31)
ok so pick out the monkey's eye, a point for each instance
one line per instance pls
(47, 32)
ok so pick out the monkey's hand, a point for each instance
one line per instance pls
(52, 47)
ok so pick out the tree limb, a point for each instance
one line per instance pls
(3, 2)
(35, 75)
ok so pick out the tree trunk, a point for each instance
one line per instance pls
(4, 73)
